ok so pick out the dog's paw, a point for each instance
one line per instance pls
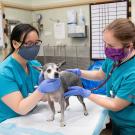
(62, 124)
(86, 113)
(50, 119)
(59, 111)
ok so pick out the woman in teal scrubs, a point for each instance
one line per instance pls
(119, 67)
(18, 77)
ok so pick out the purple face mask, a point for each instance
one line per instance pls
(115, 54)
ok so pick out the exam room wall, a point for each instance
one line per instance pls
(133, 10)
(47, 35)
(23, 16)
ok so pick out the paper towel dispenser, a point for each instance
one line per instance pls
(79, 31)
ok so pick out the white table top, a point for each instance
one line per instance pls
(36, 122)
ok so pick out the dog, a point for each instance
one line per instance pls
(52, 71)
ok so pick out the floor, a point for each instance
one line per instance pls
(108, 130)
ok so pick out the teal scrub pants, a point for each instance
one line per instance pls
(122, 130)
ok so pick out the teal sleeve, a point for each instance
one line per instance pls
(107, 65)
(35, 63)
(127, 89)
(104, 66)
(7, 86)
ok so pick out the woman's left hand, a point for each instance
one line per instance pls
(77, 91)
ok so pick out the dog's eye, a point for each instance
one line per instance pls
(49, 70)
(57, 69)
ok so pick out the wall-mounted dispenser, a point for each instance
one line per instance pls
(76, 28)
(77, 31)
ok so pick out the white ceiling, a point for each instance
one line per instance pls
(33, 2)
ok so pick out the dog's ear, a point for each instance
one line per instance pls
(39, 68)
(61, 63)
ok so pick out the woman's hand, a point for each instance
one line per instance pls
(76, 71)
(77, 91)
(49, 85)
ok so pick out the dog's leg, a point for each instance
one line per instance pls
(62, 106)
(67, 103)
(84, 106)
(51, 104)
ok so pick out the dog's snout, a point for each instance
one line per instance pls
(56, 75)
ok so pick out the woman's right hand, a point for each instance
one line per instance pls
(49, 85)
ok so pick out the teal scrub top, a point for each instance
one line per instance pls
(122, 85)
(14, 78)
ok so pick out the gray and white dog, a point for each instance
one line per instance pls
(52, 71)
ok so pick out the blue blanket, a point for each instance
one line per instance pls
(89, 84)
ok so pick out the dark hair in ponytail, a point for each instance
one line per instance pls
(17, 33)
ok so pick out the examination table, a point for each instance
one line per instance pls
(35, 123)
